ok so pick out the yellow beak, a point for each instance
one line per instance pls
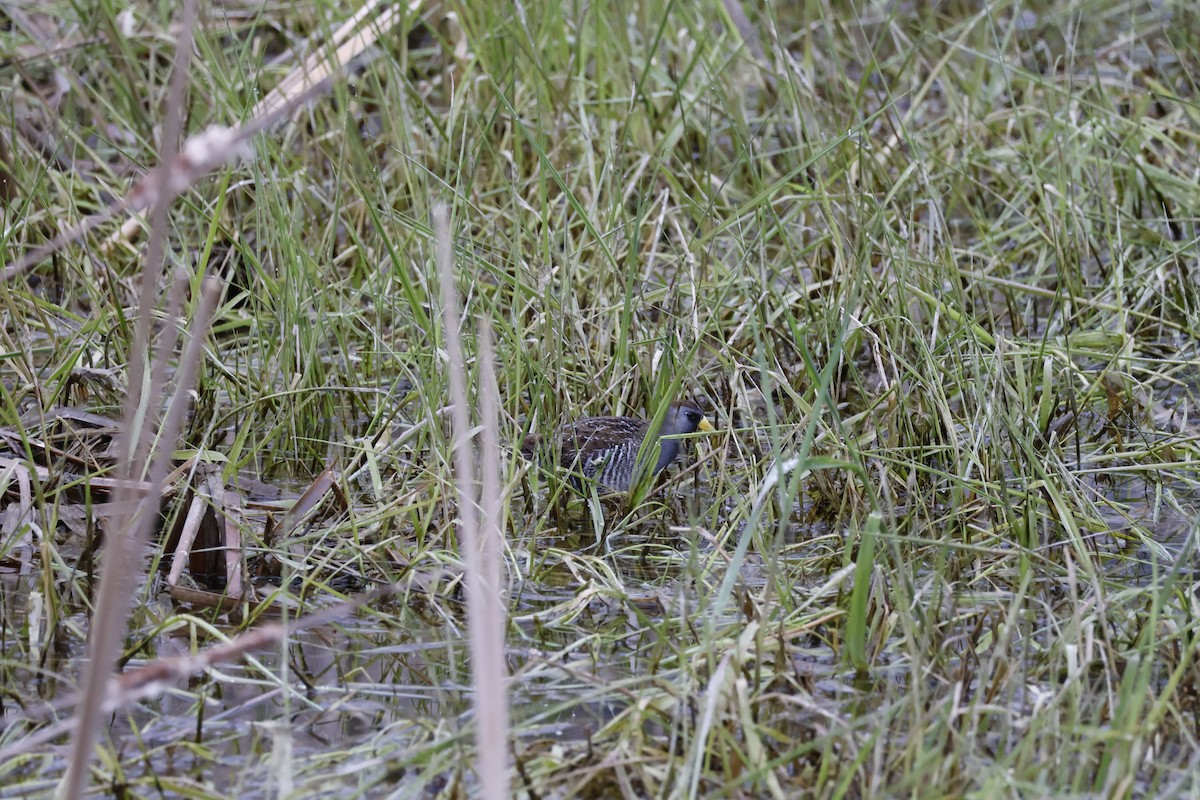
(705, 426)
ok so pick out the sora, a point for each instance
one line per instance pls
(605, 449)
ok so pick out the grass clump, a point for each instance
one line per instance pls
(928, 265)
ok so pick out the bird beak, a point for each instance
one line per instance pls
(705, 426)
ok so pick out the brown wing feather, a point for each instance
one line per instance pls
(593, 436)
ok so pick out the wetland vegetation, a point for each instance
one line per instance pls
(929, 268)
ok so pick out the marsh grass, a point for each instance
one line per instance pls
(930, 266)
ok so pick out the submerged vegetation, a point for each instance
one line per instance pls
(929, 268)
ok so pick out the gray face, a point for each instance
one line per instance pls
(682, 418)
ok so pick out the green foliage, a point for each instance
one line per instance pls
(930, 265)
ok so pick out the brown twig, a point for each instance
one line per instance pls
(218, 145)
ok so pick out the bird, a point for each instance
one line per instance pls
(605, 449)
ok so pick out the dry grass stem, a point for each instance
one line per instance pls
(480, 514)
